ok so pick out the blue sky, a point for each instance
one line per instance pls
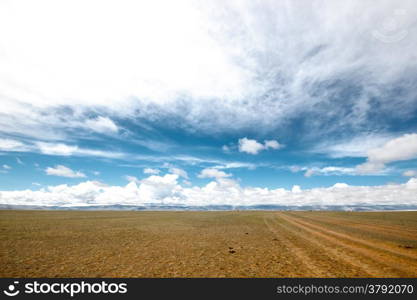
(255, 95)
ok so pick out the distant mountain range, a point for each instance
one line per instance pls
(365, 207)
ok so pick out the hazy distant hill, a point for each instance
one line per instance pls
(366, 207)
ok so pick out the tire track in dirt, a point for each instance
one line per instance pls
(386, 230)
(340, 255)
(367, 262)
(376, 245)
(387, 262)
(331, 264)
(299, 255)
(314, 255)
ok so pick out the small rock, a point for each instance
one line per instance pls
(406, 246)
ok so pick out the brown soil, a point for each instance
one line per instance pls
(207, 244)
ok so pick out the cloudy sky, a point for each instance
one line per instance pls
(202, 102)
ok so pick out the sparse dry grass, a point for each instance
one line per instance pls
(207, 244)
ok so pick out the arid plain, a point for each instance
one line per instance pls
(207, 244)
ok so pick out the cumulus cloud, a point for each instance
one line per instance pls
(250, 146)
(151, 171)
(398, 149)
(165, 188)
(254, 147)
(296, 189)
(167, 191)
(7, 167)
(63, 171)
(213, 173)
(102, 125)
(340, 185)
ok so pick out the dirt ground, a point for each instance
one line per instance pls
(207, 244)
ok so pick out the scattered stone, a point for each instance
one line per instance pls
(406, 246)
(232, 251)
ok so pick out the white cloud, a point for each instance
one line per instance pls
(357, 146)
(163, 188)
(398, 149)
(213, 173)
(151, 171)
(295, 169)
(410, 173)
(12, 145)
(179, 172)
(144, 68)
(19, 161)
(166, 190)
(309, 173)
(253, 147)
(340, 185)
(7, 167)
(281, 54)
(63, 171)
(102, 125)
(370, 168)
(237, 165)
(57, 149)
(331, 170)
(324, 171)
(68, 150)
(226, 148)
(296, 189)
(402, 148)
(132, 179)
(96, 173)
(272, 144)
(250, 146)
